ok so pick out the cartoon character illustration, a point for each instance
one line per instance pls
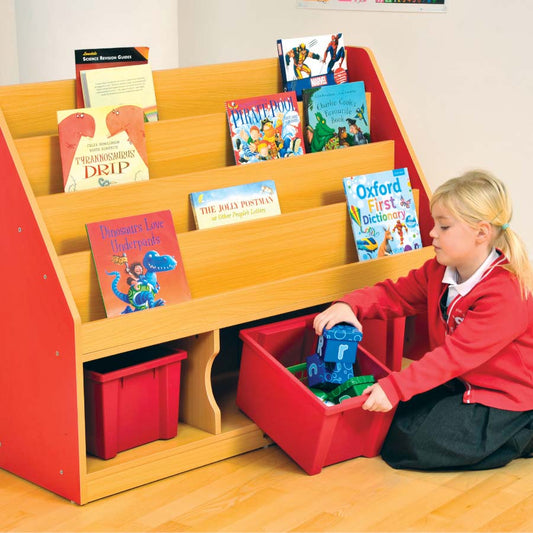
(298, 55)
(399, 229)
(360, 114)
(335, 52)
(356, 135)
(320, 135)
(143, 284)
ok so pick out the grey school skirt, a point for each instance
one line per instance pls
(437, 431)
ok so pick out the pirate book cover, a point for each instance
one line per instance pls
(138, 262)
(102, 146)
(382, 213)
(265, 127)
(307, 62)
(335, 116)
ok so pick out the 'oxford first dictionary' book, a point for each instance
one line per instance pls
(138, 262)
(382, 213)
(102, 146)
(265, 127)
(235, 204)
(335, 116)
(314, 61)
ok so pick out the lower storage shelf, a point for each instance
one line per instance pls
(190, 449)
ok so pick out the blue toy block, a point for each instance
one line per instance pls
(339, 344)
(326, 375)
(337, 373)
(316, 370)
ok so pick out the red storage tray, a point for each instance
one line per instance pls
(313, 434)
(132, 399)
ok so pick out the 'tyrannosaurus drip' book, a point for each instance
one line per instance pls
(138, 262)
(382, 213)
(102, 146)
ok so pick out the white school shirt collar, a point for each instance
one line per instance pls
(454, 288)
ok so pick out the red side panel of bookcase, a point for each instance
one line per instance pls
(385, 124)
(38, 401)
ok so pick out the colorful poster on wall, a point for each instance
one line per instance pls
(436, 6)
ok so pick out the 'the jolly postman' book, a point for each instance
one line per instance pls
(314, 61)
(382, 213)
(138, 262)
(238, 203)
(265, 127)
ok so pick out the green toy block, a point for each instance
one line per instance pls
(353, 387)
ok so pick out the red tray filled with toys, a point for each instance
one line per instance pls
(303, 391)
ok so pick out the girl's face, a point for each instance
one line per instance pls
(456, 243)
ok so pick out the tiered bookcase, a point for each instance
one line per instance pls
(53, 319)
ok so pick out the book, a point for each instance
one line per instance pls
(314, 61)
(92, 58)
(128, 85)
(102, 146)
(138, 262)
(234, 204)
(335, 116)
(382, 213)
(265, 127)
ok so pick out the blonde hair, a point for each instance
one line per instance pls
(478, 196)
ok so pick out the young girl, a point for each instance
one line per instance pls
(468, 402)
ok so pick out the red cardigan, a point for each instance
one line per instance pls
(487, 340)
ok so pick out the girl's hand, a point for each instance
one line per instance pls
(333, 315)
(377, 399)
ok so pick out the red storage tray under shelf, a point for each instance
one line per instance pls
(132, 399)
(311, 433)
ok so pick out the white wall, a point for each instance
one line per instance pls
(49, 31)
(8, 43)
(462, 81)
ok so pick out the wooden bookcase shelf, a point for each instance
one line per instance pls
(237, 274)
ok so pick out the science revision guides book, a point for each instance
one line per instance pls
(335, 116)
(128, 85)
(265, 127)
(102, 146)
(99, 58)
(382, 213)
(138, 262)
(235, 204)
(314, 61)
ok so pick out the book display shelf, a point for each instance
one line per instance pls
(53, 319)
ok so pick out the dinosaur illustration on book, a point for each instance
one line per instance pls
(144, 287)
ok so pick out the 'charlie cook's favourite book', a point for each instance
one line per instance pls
(102, 146)
(265, 127)
(138, 262)
(314, 61)
(382, 213)
(235, 204)
(335, 116)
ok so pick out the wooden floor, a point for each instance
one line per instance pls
(265, 491)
